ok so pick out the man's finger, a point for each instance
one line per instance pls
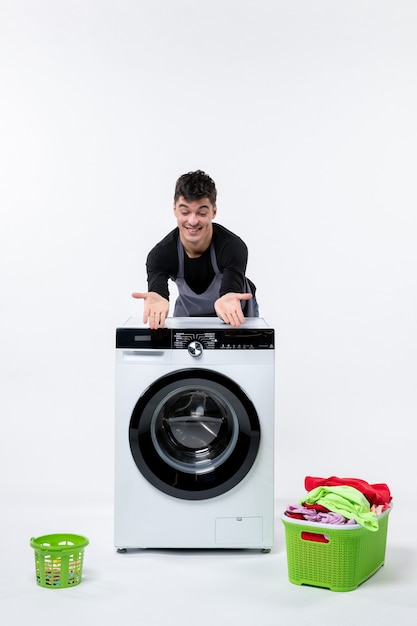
(245, 296)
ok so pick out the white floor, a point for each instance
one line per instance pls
(184, 587)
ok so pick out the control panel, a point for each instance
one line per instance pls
(169, 338)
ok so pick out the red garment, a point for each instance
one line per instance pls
(294, 515)
(316, 507)
(375, 494)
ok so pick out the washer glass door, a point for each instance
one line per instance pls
(194, 434)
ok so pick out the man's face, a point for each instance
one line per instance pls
(194, 222)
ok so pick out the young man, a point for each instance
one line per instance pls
(205, 260)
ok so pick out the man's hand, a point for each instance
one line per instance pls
(156, 308)
(229, 308)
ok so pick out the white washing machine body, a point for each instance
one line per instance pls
(194, 435)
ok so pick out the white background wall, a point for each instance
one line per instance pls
(304, 113)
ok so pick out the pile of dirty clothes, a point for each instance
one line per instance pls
(335, 500)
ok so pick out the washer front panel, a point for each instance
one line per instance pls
(216, 417)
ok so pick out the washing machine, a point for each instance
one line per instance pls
(194, 435)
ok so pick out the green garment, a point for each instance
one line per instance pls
(346, 500)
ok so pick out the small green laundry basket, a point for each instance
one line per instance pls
(59, 560)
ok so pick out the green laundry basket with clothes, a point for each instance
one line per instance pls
(59, 560)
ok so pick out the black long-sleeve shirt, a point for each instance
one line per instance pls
(231, 255)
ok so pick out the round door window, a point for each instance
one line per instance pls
(194, 434)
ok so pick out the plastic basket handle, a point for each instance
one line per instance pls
(318, 537)
(57, 548)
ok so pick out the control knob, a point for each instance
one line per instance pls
(195, 348)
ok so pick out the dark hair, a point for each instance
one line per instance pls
(195, 185)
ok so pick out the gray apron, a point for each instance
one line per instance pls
(191, 304)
